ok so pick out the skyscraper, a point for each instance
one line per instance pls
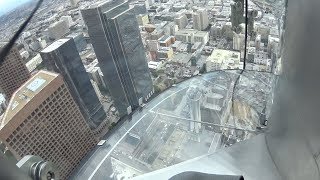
(181, 20)
(237, 10)
(116, 39)
(13, 72)
(43, 119)
(200, 19)
(62, 57)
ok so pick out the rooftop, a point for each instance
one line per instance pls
(55, 45)
(25, 93)
(191, 31)
(220, 56)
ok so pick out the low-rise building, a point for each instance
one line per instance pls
(192, 36)
(155, 65)
(223, 59)
(166, 41)
(58, 29)
(143, 19)
(181, 20)
(165, 53)
(34, 63)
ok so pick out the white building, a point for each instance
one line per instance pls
(34, 62)
(143, 19)
(96, 89)
(238, 41)
(95, 73)
(181, 20)
(68, 20)
(153, 45)
(154, 65)
(25, 54)
(192, 36)
(200, 19)
(258, 42)
(223, 59)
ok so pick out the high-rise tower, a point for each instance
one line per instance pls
(237, 10)
(115, 36)
(200, 19)
(62, 57)
(43, 119)
(13, 72)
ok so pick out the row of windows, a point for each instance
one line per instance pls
(55, 131)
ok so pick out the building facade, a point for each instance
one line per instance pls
(62, 57)
(43, 119)
(115, 36)
(13, 72)
(181, 20)
(58, 29)
(200, 19)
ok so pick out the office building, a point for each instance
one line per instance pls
(33, 63)
(143, 19)
(200, 19)
(192, 36)
(62, 57)
(79, 40)
(165, 53)
(166, 41)
(223, 59)
(58, 29)
(238, 41)
(181, 20)
(119, 49)
(237, 11)
(95, 73)
(43, 119)
(13, 72)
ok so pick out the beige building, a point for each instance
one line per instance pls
(13, 72)
(223, 59)
(43, 119)
(143, 19)
(34, 63)
(165, 53)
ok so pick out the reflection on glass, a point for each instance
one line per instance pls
(170, 80)
(194, 118)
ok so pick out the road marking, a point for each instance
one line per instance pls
(107, 155)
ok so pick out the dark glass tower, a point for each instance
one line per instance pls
(62, 57)
(237, 10)
(115, 36)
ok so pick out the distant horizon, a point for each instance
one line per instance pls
(6, 6)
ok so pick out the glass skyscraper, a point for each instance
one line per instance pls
(62, 57)
(116, 39)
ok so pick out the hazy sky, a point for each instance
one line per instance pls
(8, 5)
